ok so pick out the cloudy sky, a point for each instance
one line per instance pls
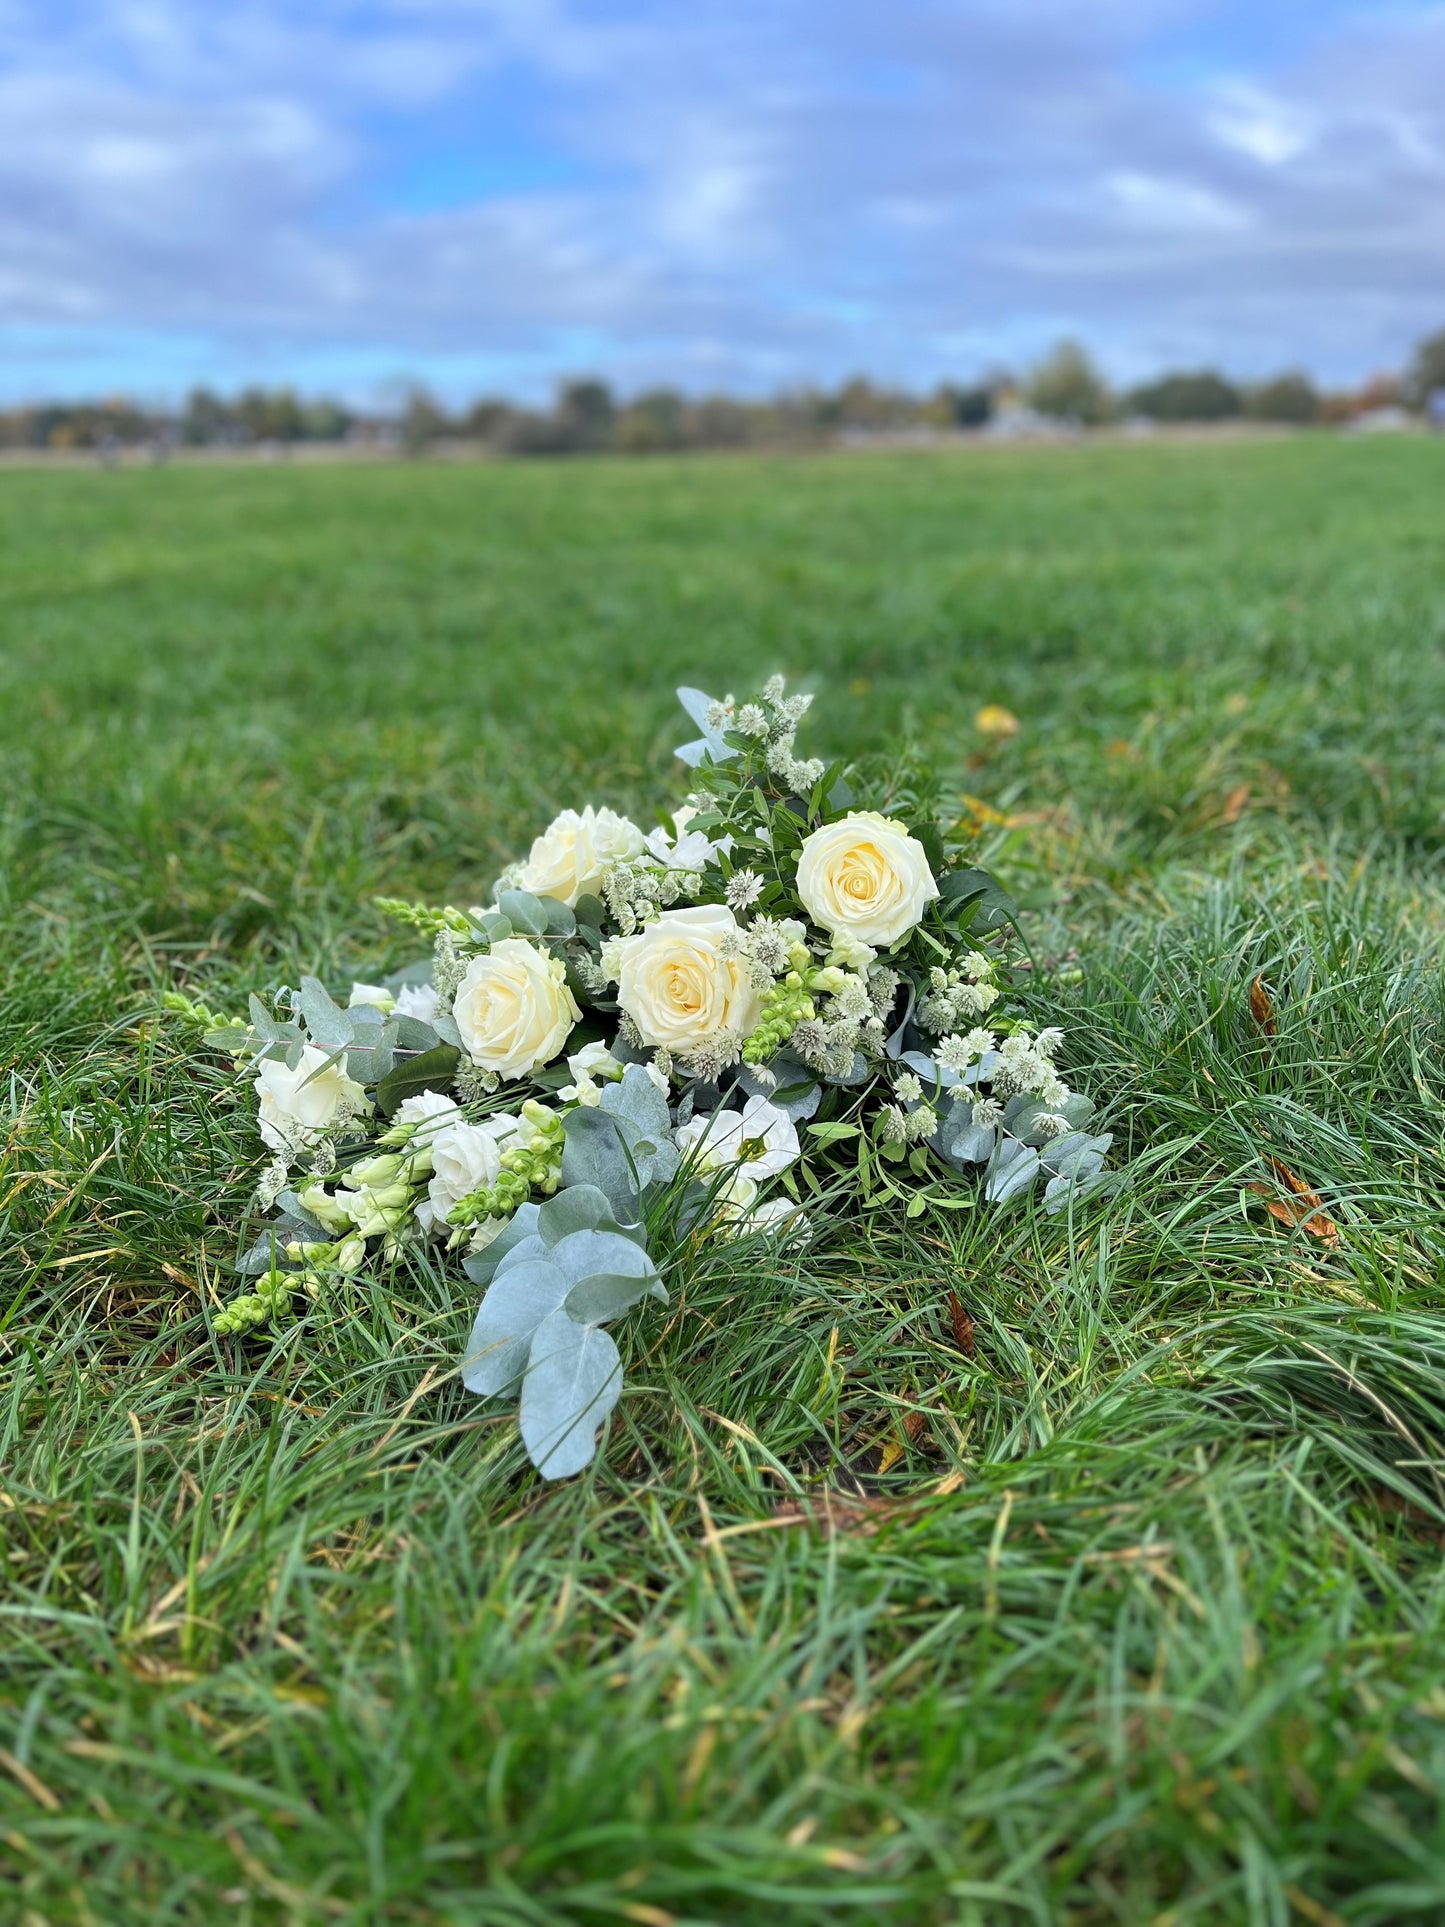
(740, 193)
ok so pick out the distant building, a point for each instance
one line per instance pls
(1435, 409)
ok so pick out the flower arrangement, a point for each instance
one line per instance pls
(795, 984)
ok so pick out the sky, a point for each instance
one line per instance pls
(488, 195)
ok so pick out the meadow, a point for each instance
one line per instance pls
(1125, 1605)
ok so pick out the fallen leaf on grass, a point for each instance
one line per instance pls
(829, 1512)
(994, 720)
(1235, 804)
(1261, 1009)
(1303, 1208)
(962, 1327)
(39, 1792)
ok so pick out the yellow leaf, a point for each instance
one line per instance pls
(994, 720)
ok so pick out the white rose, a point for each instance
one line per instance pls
(574, 853)
(865, 877)
(377, 995)
(677, 984)
(417, 1000)
(513, 1008)
(465, 1158)
(298, 1107)
(760, 1140)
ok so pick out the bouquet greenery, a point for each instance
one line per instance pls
(796, 985)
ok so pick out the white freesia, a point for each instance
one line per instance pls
(416, 1000)
(779, 1217)
(865, 877)
(573, 854)
(683, 981)
(377, 995)
(465, 1158)
(298, 1107)
(760, 1140)
(513, 1008)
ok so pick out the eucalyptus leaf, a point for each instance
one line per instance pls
(1015, 1167)
(445, 1026)
(523, 912)
(581, 1207)
(269, 1029)
(519, 1230)
(594, 1153)
(574, 1378)
(516, 1303)
(589, 1254)
(794, 1091)
(327, 1024)
(413, 1034)
(606, 1295)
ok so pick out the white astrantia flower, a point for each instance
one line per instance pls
(744, 887)
(907, 1089)
(377, 995)
(416, 1000)
(575, 852)
(760, 1140)
(297, 1107)
(513, 1008)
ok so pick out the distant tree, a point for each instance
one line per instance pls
(488, 419)
(586, 414)
(423, 420)
(1202, 396)
(652, 421)
(1067, 385)
(717, 421)
(1427, 370)
(972, 406)
(1290, 397)
(204, 418)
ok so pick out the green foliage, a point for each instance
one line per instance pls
(1148, 1619)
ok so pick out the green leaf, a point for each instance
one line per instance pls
(574, 1378)
(327, 1024)
(523, 912)
(433, 1070)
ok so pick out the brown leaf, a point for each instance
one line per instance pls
(1304, 1206)
(962, 1327)
(829, 1512)
(1235, 804)
(1260, 1007)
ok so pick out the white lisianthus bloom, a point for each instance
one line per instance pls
(587, 1065)
(691, 849)
(574, 853)
(429, 1113)
(298, 1107)
(465, 1158)
(779, 1217)
(866, 878)
(377, 995)
(416, 1000)
(760, 1140)
(683, 981)
(513, 1008)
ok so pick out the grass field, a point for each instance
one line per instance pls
(1148, 1627)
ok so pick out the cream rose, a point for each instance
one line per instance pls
(513, 1008)
(298, 1107)
(865, 877)
(465, 1158)
(574, 853)
(678, 983)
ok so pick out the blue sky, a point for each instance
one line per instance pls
(488, 194)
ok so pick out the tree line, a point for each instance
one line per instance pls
(587, 415)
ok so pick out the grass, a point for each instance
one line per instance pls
(1142, 1622)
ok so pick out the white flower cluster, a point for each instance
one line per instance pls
(773, 723)
(744, 1148)
(957, 993)
(1019, 1064)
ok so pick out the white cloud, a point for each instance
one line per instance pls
(750, 190)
